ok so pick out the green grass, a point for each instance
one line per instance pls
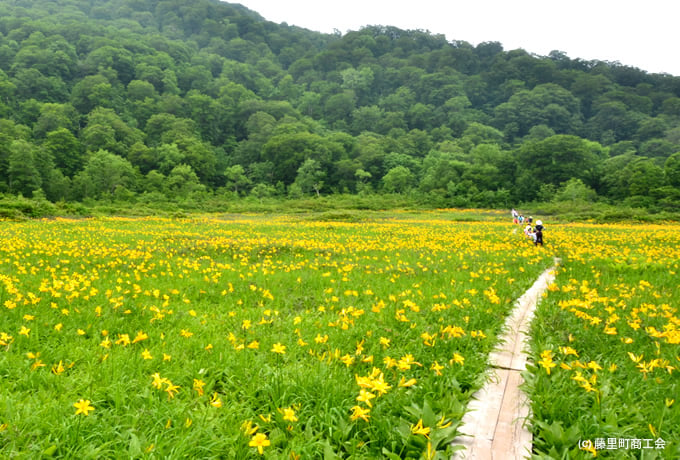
(615, 305)
(211, 297)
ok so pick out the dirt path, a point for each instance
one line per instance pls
(495, 425)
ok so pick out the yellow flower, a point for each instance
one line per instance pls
(547, 363)
(365, 397)
(198, 386)
(406, 361)
(568, 351)
(278, 348)
(407, 383)
(444, 423)
(347, 360)
(158, 381)
(420, 429)
(594, 366)
(140, 336)
(380, 386)
(289, 414)
(589, 447)
(359, 412)
(260, 441)
(635, 359)
(5, 338)
(249, 427)
(652, 430)
(171, 389)
(390, 362)
(58, 368)
(146, 354)
(215, 401)
(24, 331)
(546, 354)
(436, 367)
(83, 407)
(458, 359)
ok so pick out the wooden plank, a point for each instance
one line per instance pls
(495, 426)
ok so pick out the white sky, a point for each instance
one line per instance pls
(638, 33)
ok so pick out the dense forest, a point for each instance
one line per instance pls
(151, 101)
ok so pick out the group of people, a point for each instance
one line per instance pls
(534, 233)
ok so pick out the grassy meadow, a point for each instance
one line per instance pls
(336, 336)
(606, 345)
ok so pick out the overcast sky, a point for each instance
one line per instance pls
(638, 33)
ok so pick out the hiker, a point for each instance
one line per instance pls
(515, 215)
(539, 233)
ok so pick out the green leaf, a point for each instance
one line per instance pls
(328, 452)
(135, 447)
(428, 415)
(49, 452)
(390, 455)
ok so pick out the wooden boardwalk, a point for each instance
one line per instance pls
(495, 426)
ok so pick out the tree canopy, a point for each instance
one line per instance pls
(147, 97)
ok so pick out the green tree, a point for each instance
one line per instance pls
(106, 130)
(559, 158)
(182, 181)
(236, 178)
(94, 91)
(548, 104)
(398, 180)
(103, 173)
(261, 191)
(575, 190)
(310, 177)
(139, 90)
(363, 178)
(288, 151)
(54, 116)
(339, 107)
(22, 173)
(672, 170)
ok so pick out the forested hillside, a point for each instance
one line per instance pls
(156, 100)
